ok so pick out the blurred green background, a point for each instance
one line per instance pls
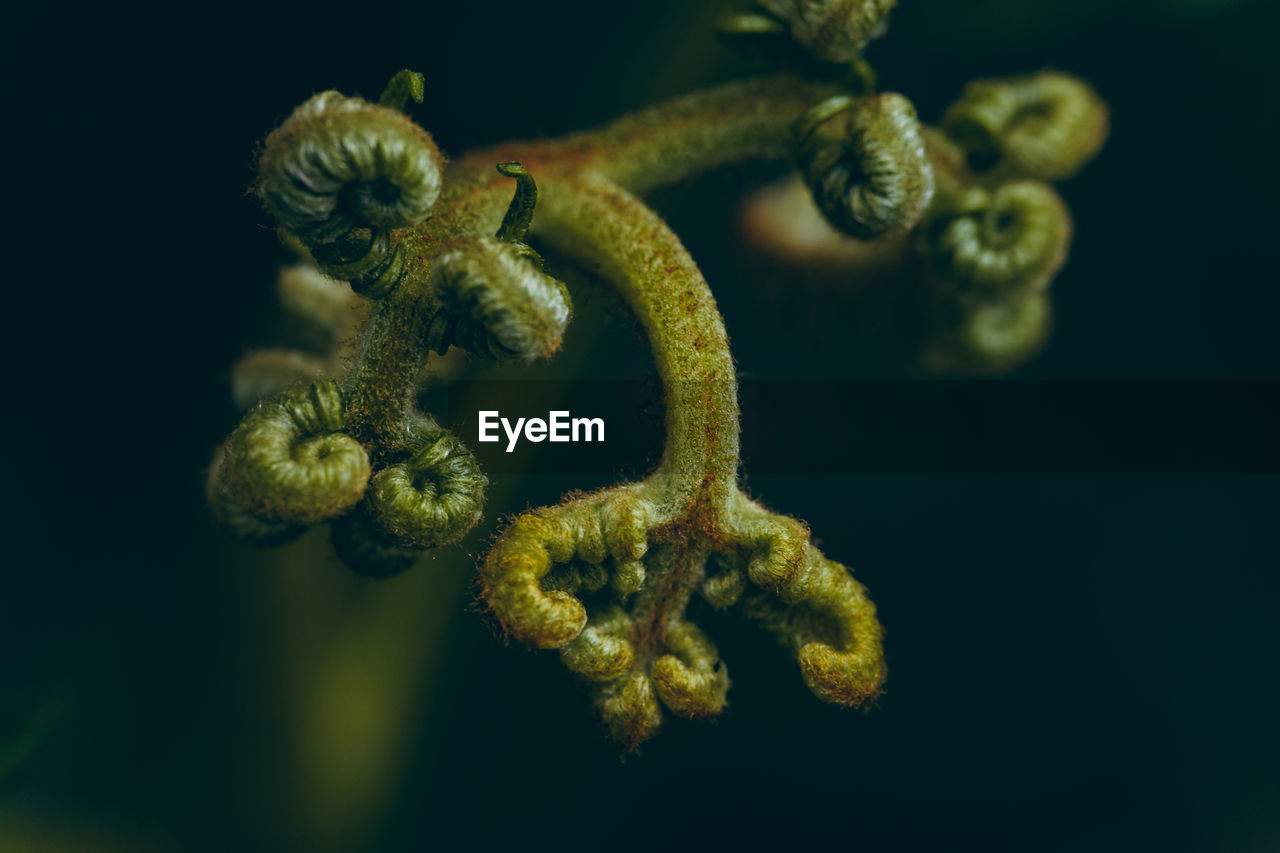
(1075, 662)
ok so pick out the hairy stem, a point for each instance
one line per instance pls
(612, 231)
(650, 148)
(393, 346)
(663, 144)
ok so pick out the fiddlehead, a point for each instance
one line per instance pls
(990, 241)
(833, 30)
(608, 579)
(689, 678)
(990, 255)
(496, 302)
(367, 259)
(992, 244)
(290, 462)
(341, 173)
(864, 160)
(519, 216)
(990, 337)
(537, 605)
(817, 608)
(232, 513)
(403, 87)
(431, 499)
(1045, 125)
(495, 299)
(340, 163)
(602, 652)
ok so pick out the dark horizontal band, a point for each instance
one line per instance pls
(931, 428)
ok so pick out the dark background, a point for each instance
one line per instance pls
(1077, 662)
